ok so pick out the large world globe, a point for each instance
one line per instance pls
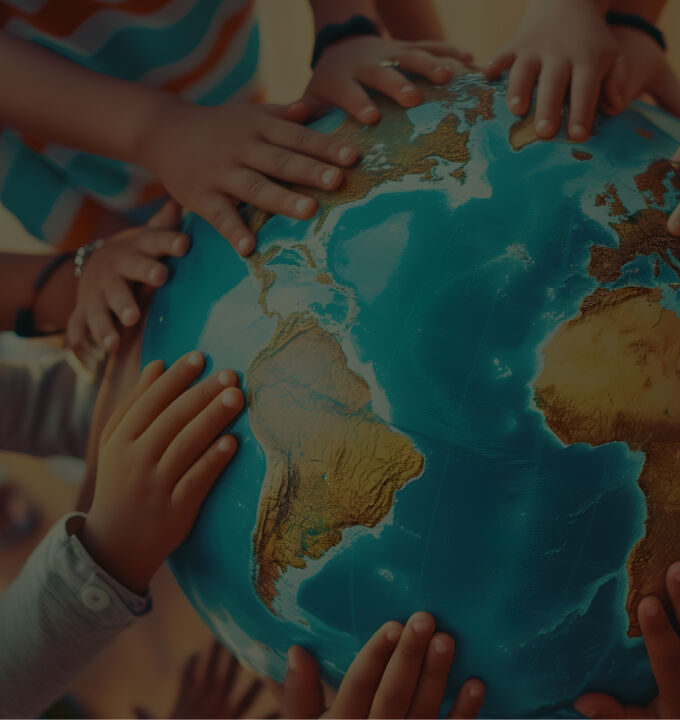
(463, 397)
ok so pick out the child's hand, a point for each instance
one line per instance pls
(104, 290)
(159, 455)
(663, 648)
(211, 158)
(400, 672)
(674, 219)
(641, 67)
(347, 65)
(563, 44)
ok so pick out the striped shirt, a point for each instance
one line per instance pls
(204, 51)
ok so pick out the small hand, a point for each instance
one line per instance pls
(560, 45)
(207, 687)
(663, 647)
(160, 454)
(105, 289)
(400, 672)
(674, 219)
(346, 66)
(211, 158)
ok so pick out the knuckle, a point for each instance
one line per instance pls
(224, 221)
(305, 137)
(282, 161)
(255, 189)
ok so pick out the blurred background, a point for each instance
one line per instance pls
(143, 666)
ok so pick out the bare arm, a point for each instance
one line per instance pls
(332, 11)
(410, 19)
(649, 9)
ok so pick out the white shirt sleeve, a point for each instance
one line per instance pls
(56, 616)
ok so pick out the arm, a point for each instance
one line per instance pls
(410, 19)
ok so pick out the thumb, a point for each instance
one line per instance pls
(665, 89)
(296, 112)
(599, 705)
(169, 217)
(302, 689)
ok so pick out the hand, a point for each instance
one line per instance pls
(347, 65)
(400, 672)
(674, 219)
(210, 159)
(104, 290)
(641, 67)
(564, 44)
(207, 687)
(158, 458)
(663, 647)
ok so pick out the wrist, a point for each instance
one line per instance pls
(130, 571)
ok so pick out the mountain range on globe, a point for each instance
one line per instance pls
(463, 396)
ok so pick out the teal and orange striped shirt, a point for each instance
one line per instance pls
(205, 51)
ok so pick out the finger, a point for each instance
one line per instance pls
(493, 68)
(259, 191)
(302, 688)
(663, 648)
(469, 700)
(553, 81)
(149, 375)
(521, 84)
(359, 685)
(585, 91)
(292, 167)
(100, 324)
(617, 91)
(674, 221)
(316, 106)
(222, 214)
(673, 587)
(121, 300)
(195, 435)
(214, 655)
(168, 217)
(392, 83)
(248, 699)
(138, 267)
(599, 705)
(192, 488)
(188, 675)
(76, 329)
(395, 692)
(166, 388)
(443, 49)
(297, 112)
(159, 243)
(432, 684)
(309, 142)
(227, 683)
(665, 89)
(425, 64)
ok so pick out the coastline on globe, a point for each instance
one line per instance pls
(459, 380)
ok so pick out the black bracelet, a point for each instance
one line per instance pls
(24, 322)
(639, 23)
(330, 34)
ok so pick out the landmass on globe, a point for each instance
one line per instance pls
(608, 371)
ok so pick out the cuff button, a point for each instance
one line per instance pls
(95, 598)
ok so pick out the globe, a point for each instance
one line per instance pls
(462, 383)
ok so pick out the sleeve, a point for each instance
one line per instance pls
(47, 406)
(58, 614)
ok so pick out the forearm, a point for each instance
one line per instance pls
(332, 11)
(53, 99)
(648, 9)
(55, 300)
(410, 19)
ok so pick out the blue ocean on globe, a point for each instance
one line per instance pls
(418, 433)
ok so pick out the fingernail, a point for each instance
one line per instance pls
(650, 607)
(195, 359)
(543, 124)
(328, 177)
(244, 245)
(442, 645)
(304, 205)
(230, 397)
(223, 377)
(515, 101)
(109, 342)
(421, 625)
(577, 131)
(368, 110)
(585, 708)
(224, 445)
(440, 69)
(407, 89)
(394, 635)
(490, 62)
(346, 154)
(292, 659)
(129, 316)
(156, 275)
(178, 244)
(475, 689)
(674, 573)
